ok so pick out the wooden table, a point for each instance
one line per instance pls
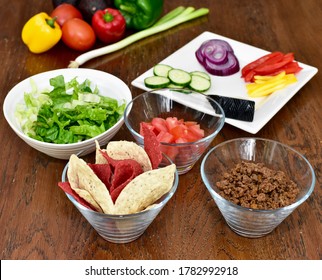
(37, 221)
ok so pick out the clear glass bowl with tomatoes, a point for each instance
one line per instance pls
(185, 122)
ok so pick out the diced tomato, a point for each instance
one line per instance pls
(195, 129)
(159, 124)
(190, 123)
(171, 122)
(189, 133)
(165, 137)
(181, 140)
(170, 151)
(171, 129)
(178, 131)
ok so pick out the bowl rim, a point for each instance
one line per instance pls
(156, 206)
(128, 108)
(61, 71)
(247, 209)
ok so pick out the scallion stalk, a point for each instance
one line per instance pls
(172, 14)
(173, 18)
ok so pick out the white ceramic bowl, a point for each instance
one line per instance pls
(107, 84)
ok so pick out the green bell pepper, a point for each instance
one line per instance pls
(140, 14)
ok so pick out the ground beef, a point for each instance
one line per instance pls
(253, 185)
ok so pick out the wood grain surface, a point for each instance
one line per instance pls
(37, 221)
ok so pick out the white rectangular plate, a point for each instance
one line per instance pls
(233, 85)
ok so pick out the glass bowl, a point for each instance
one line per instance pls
(165, 103)
(246, 221)
(124, 228)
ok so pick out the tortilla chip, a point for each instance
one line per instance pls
(144, 190)
(152, 145)
(128, 150)
(87, 185)
(65, 186)
(99, 158)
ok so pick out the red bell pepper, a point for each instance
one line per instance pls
(109, 25)
(251, 66)
(270, 65)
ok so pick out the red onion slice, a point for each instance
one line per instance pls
(226, 69)
(217, 56)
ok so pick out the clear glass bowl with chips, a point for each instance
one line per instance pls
(124, 228)
(271, 196)
(182, 104)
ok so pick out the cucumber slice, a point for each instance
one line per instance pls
(161, 70)
(179, 77)
(199, 84)
(174, 86)
(156, 82)
(200, 73)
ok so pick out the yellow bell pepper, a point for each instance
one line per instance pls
(41, 33)
(265, 85)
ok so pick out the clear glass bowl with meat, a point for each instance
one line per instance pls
(256, 183)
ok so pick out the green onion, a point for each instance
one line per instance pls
(175, 17)
(171, 15)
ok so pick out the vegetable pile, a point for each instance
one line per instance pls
(173, 18)
(217, 57)
(269, 73)
(80, 23)
(69, 113)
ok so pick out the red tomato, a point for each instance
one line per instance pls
(184, 132)
(197, 131)
(159, 124)
(165, 137)
(78, 34)
(172, 130)
(182, 140)
(171, 152)
(64, 12)
(190, 123)
(172, 122)
(178, 131)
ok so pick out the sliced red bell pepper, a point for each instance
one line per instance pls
(259, 61)
(290, 68)
(271, 65)
(267, 68)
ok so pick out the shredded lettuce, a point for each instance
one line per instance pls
(68, 113)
